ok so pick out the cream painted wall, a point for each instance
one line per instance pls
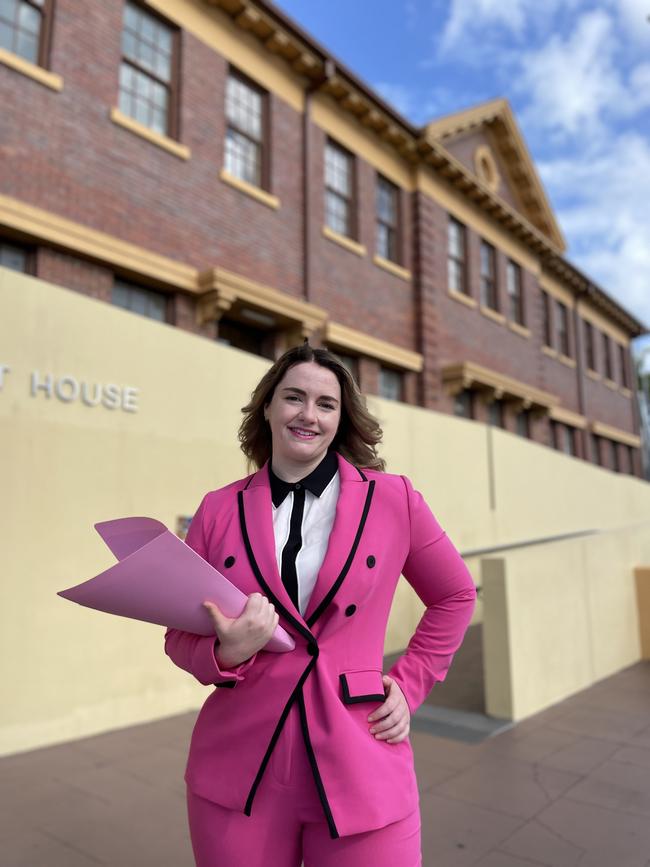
(69, 672)
(559, 617)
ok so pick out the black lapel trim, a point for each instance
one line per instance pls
(276, 734)
(314, 767)
(353, 699)
(297, 625)
(353, 550)
(361, 474)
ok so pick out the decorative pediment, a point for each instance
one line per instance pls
(487, 140)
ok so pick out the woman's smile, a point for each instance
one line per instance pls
(305, 410)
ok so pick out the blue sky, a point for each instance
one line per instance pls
(577, 75)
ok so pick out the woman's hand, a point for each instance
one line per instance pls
(394, 715)
(241, 637)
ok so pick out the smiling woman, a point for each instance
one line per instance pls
(287, 758)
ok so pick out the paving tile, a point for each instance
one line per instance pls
(581, 756)
(633, 756)
(456, 834)
(35, 849)
(512, 787)
(541, 845)
(607, 724)
(444, 752)
(502, 859)
(610, 838)
(532, 747)
(616, 785)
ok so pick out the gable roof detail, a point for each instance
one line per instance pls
(498, 118)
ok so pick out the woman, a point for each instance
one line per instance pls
(304, 756)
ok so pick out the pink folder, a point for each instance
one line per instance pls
(161, 580)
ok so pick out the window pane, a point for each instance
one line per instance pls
(29, 19)
(244, 107)
(455, 275)
(336, 213)
(8, 10)
(463, 403)
(27, 46)
(338, 170)
(386, 202)
(6, 36)
(390, 383)
(456, 239)
(13, 257)
(383, 241)
(145, 302)
(243, 158)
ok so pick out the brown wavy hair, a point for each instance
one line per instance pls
(358, 432)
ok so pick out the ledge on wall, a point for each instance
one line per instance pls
(466, 374)
(221, 289)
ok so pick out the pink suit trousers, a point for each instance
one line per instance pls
(288, 827)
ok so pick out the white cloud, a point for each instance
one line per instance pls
(573, 82)
(602, 202)
(632, 16)
(479, 21)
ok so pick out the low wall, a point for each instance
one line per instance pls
(560, 616)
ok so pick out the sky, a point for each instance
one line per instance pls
(577, 75)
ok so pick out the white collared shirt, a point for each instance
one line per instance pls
(317, 522)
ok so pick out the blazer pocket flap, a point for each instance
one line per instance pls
(359, 686)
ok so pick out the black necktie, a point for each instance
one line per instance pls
(293, 545)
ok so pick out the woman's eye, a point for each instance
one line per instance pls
(327, 405)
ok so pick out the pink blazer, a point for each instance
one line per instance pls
(382, 528)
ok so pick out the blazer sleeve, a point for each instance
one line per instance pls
(196, 653)
(437, 573)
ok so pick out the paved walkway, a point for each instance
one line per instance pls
(569, 787)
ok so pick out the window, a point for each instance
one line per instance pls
(245, 154)
(148, 70)
(614, 452)
(146, 302)
(464, 403)
(607, 355)
(562, 328)
(488, 276)
(25, 28)
(248, 338)
(546, 317)
(495, 413)
(564, 438)
(515, 298)
(457, 256)
(523, 423)
(630, 459)
(622, 356)
(350, 362)
(590, 353)
(594, 440)
(387, 204)
(390, 383)
(11, 256)
(339, 190)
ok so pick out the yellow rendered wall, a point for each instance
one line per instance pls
(68, 671)
(559, 617)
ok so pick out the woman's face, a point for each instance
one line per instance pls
(304, 414)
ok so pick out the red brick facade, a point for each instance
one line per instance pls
(62, 153)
